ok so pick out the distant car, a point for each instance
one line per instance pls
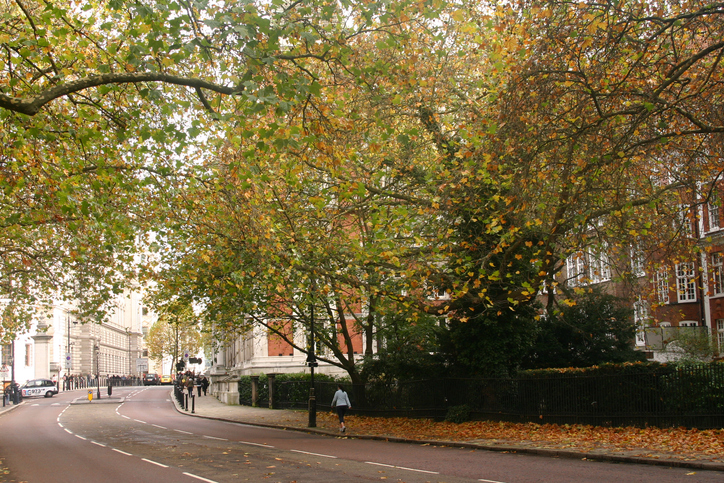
(166, 380)
(39, 387)
(150, 380)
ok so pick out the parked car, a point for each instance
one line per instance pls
(166, 380)
(150, 380)
(39, 387)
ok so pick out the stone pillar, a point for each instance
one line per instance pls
(272, 398)
(41, 344)
(255, 391)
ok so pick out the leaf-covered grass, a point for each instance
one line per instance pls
(677, 443)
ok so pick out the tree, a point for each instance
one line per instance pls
(597, 328)
(463, 143)
(172, 333)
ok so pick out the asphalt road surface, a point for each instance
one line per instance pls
(138, 436)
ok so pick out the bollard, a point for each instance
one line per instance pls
(193, 403)
(110, 389)
(186, 405)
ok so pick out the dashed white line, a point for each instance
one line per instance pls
(124, 416)
(184, 432)
(154, 463)
(99, 444)
(122, 452)
(214, 437)
(81, 437)
(490, 481)
(402, 468)
(139, 421)
(68, 431)
(256, 444)
(313, 454)
(199, 477)
(157, 426)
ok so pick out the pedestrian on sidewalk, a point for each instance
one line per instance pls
(204, 384)
(340, 403)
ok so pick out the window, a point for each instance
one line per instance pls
(599, 267)
(28, 355)
(685, 221)
(685, 283)
(7, 354)
(713, 208)
(575, 269)
(637, 262)
(717, 272)
(720, 334)
(688, 323)
(661, 281)
(641, 318)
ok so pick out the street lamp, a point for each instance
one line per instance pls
(312, 363)
(68, 356)
(98, 369)
(128, 333)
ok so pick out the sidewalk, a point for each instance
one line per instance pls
(211, 408)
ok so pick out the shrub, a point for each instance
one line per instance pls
(458, 414)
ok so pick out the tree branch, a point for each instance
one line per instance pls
(32, 105)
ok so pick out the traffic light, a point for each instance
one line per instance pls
(180, 366)
(194, 360)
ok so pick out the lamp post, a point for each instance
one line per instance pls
(12, 373)
(68, 357)
(128, 333)
(312, 363)
(98, 369)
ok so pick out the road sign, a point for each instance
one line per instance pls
(186, 356)
(141, 365)
(4, 371)
(68, 360)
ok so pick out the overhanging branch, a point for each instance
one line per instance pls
(32, 105)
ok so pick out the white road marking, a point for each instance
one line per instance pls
(124, 416)
(154, 463)
(99, 444)
(199, 478)
(213, 437)
(313, 454)
(162, 427)
(402, 468)
(122, 452)
(490, 481)
(81, 437)
(68, 431)
(256, 444)
(184, 432)
(139, 421)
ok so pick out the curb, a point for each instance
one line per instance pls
(550, 453)
(7, 409)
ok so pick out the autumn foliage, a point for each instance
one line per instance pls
(659, 443)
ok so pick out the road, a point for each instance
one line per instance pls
(139, 436)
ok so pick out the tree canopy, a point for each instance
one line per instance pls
(321, 157)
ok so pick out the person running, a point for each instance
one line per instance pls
(340, 403)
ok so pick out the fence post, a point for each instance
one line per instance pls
(272, 396)
(254, 391)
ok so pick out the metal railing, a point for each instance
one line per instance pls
(691, 396)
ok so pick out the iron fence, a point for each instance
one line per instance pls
(672, 396)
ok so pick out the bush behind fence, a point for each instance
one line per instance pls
(635, 394)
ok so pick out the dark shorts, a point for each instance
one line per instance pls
(340, 412)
